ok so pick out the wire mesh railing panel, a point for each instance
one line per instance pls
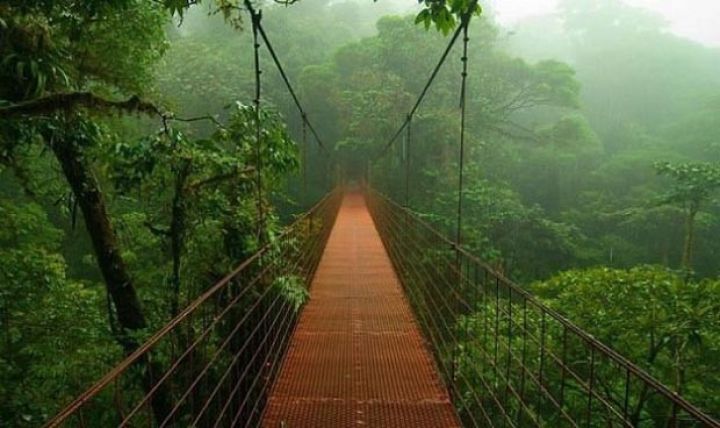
(213, 364)
(507, 359)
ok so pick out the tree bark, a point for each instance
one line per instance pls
(110, 261)
(54, 103)
(114, 270)
(689, 236)
(177, 232)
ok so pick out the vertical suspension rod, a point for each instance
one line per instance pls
(408, 141)
(291, 90)
(463, 97)
(256, 16)
(304, 158)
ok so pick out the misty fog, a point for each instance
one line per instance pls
(132, 168)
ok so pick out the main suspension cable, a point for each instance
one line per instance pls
(256, 17)
(429, 83)
(304, 158)
(463, 99)
(408, 141)
(290, 88)
(260, 33)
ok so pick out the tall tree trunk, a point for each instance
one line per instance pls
(111, 264)
(177, 232)
(689, 236)
(114, 270)
(665, 250)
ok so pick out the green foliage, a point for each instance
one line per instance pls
(556, 177)
(278, 153)
(203, 191)
(505, 95)
(292, 289)
(693, 184)
(60, 46)
(54, 331)
(444, 14)
(182, 207)
(650, 315)
(572, 132)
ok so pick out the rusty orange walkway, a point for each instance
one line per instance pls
(357, 358)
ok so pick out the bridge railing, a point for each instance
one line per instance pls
(214, 363)
(506, 358)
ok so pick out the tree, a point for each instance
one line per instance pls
(513, 106)
(53, 48)
(54, 338)
(694, 184)
(652, 316)
(203, 178)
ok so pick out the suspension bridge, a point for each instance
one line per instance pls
(403, 328)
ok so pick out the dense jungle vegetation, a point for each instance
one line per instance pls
(128, 168)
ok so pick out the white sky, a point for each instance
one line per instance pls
(695, 19)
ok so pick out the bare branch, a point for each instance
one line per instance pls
(524, 134)
(193, 187)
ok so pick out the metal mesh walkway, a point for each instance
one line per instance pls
(357, 357)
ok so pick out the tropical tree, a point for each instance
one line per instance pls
(694, 184)
(651, 315)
